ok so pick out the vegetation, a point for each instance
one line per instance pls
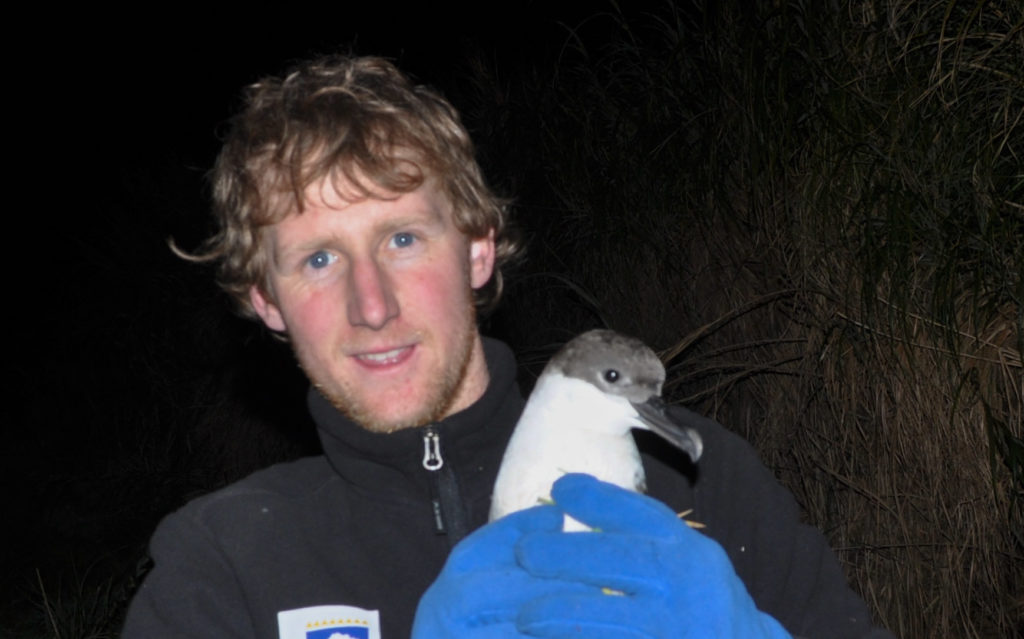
(816, 209)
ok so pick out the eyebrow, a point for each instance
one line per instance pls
(432, 220)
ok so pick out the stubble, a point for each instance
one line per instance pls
(442, 391)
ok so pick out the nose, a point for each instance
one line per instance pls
(371, 299)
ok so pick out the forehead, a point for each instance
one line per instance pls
(333, 209)
(335, 192)
(370, 200)
(289, 184)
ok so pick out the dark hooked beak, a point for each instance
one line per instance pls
(654, 413)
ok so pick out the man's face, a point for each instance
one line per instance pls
(376, 297)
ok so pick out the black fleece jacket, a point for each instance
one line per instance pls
(369, 525)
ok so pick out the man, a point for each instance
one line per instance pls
(355, 223)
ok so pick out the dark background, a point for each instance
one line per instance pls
(131, 386)
(827, 193)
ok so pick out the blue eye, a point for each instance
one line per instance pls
(320, 259)
(402, 240)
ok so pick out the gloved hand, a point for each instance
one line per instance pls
(481, 588)
(674, 581)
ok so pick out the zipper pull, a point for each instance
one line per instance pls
(432, 459)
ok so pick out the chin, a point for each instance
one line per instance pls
(383, 421)
(394, 424)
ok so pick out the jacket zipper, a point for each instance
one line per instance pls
(433, 462)
(446, 502)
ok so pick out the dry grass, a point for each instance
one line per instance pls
(829, 201)
(883, 437)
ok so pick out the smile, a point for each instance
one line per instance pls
(385, 358)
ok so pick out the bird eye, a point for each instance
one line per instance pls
(611, 375)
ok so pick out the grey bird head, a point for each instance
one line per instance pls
(626, 367)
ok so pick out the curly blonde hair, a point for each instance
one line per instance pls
(360, 123)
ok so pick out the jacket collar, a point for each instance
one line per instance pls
(390, 465)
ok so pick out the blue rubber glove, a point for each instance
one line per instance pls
(481, 588)
(673, 581)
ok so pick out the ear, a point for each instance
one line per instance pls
(481, 259)
(266, 309)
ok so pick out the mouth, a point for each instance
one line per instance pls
(385, 359)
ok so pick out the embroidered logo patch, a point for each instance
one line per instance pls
(328, 622)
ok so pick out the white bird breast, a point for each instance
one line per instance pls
(568, 426)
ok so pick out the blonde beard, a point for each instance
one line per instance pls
(440, 397)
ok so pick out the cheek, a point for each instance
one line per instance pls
(310, 317)
(443, 289)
